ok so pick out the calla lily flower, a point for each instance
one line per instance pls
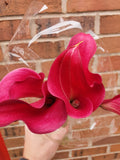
(43, 116)
(71, 81)
(21, 83)
(112, 105)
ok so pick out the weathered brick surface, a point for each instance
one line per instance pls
(1, 55)
(115, 148)
(110, 94)
(110, 24)
(12, 131)
(107, 157)
(19, 7)
(14, 142)
(108, 63)
(48, 49)
(106, 120)
(8, 28)
(45, 66)
(16, 153)
(60, 155)
(109, 44)
(89, 151)
(86, 22)
(108, 140)
(110, 80)
(90, 133)
(92, 5)
(81, 124)
(100, 112)
(73, 143)
(4, 69)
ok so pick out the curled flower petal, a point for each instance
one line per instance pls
(43, 120)
(21, 83)
(47, 99)
(69, 77)
(112, 105)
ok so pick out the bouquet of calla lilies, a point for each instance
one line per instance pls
(70, 90)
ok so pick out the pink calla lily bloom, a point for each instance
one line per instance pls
(71, 89)
(71, 81)
(43, 116)
(112, 105)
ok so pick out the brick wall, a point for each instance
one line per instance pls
(102, 17)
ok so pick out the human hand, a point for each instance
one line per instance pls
(42, 146)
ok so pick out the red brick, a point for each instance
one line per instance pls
(100, 112)
(16, 158)
(60, 155)
(4, 69)
(87, 23)
(117, 130)
(19, 7)
(90, 133)
(110, 80)
(46, 67)
(89, 151)
(110, 94)
(38, 50)
(14, 142)
(8, 28)
(108, 140)
(48, 49)
(81, 124)
(23, 51)
(105, 121)
(12, 131)
(115, 147)
(108, 63)
(107, 157)
(109, 44)
(73, 143)
(92, 5)
(110, 24)
(16, 153)
(1, 55)
(78, 158)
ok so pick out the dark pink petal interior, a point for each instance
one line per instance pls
(80, 107)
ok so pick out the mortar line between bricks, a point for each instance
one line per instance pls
(10, 126)
(102, 73)
(28, 61)
(49, 16)
(97, 24)
(54, 15)
(107, 54)
(55, 39)
(109, 35)
(39, 40)
(71, 158)
(112, 89)
(80, 148)
(108, 149)
(15, 137)
(13, 148)
(109, 72)
(100, 154)
(64, 6)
